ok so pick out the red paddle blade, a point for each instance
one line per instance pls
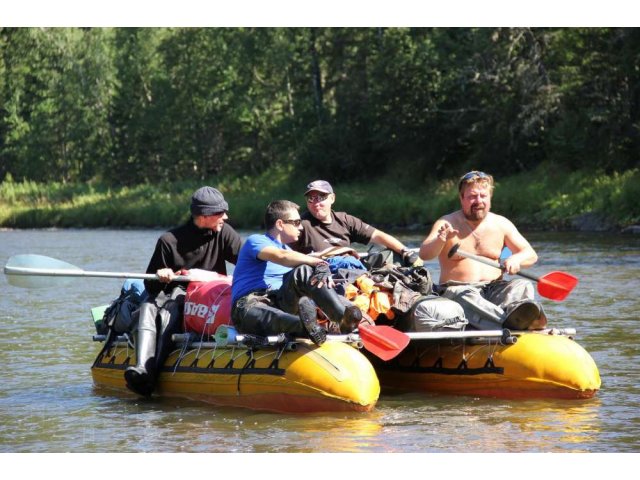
(556, 285)
(383, 341)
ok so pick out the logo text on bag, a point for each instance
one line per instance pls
(200, 310)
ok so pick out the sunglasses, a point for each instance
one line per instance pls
(472, 175)
(295, 223)
(317, 197)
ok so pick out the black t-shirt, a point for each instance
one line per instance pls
(344, 230)
(188, 246)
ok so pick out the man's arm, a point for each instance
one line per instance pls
(287, 258)
(523, 253)
(290, 258)
(388, 241)
(441, 231)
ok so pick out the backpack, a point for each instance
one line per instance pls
(121, 316)
(378, 257)
(432, 313)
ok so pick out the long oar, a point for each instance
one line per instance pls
(21, 270)
(383, 341)
(554, 285)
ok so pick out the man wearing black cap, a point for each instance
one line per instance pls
(323, 228)
(204, 242)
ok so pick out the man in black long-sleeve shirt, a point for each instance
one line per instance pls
(205, 242)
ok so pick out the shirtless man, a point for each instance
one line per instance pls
(489, 301)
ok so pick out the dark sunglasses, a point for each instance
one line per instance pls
(472, 175)
(318, 197)
(295, 223)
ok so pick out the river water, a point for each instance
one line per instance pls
(49, 404)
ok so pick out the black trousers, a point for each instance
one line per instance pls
(270, 312)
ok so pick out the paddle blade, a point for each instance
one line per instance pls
(17, 277)
(556, 285)
(383, 341)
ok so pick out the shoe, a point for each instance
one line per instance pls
(350, 319)
(522, 317)
(307, 311)
(332, 328)
(139, 381)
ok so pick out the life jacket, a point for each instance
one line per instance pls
(369, 298)
(207, 305)
(388, 294)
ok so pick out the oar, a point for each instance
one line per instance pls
(20, 270)
(383, 341)
(554, 285)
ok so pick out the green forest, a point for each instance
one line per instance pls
(110, 120)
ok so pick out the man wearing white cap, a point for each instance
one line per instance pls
(324, 228)
(204, 242)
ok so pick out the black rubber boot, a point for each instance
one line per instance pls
(141, 377)
(307, 311)
(522, 316)
(297, 284)
(350, 319)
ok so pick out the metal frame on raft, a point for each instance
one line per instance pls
(504, 337)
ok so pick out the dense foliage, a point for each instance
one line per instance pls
(545, 198)
(126, 106)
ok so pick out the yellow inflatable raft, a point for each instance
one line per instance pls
(297, 378)
(536, 365)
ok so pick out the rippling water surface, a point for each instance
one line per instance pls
(48, 402)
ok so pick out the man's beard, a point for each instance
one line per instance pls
(475, 215)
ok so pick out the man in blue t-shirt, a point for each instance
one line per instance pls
(276, 289)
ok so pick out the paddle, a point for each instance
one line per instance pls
(554, 285)
(21, 268)
(383, 341)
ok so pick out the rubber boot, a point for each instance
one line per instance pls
(297, 284)
(141, 377)
(170, 322)
(307, 311)
(346, 314)
(524, 315)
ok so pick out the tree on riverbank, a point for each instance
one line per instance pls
(126, 106)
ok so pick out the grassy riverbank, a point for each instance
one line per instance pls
(544, 199)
